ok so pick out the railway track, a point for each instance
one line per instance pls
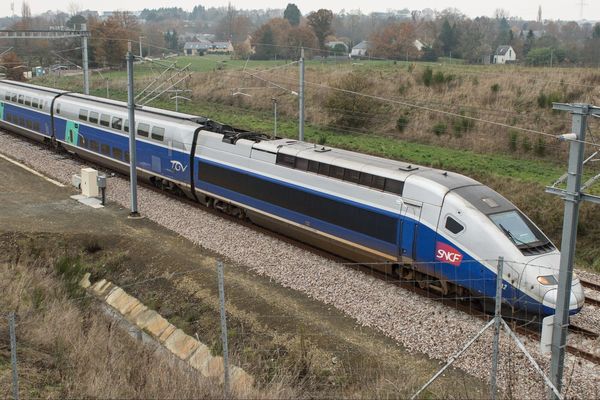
(593, 286)
(464, 304)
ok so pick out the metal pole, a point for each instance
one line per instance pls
(107, 94)
(132, 144)
(84, 57)
(13, 355)
(497, 318)
(274, 117)
(301, 98)
(141, 54)
(569, 236)
(223, 329)
(176, 102)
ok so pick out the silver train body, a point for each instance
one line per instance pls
(443, 228)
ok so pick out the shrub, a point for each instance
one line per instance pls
(438, 78)
(411, 68)
(427, 76)
(440, 128)
(352, 110)
(495, 88)
(401, 123)
(526, 145)
(540, 147)
(545, 100)
(322, 139)
(513, 138)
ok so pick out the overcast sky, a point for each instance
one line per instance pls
(527, 9)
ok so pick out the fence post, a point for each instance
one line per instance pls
(223, 329)
(497, 318)
(13, 355)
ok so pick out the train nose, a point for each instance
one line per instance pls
(576, 300)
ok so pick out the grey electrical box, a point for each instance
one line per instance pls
(101, 180)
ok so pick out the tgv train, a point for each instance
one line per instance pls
(438, 227)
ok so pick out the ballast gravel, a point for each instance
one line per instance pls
(419, 324)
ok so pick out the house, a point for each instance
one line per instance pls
(196, 48)
(419, 45)
(505, 54)
(360, 50)
(338, 44)
(220, 48)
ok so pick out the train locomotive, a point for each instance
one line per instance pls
(438, 227)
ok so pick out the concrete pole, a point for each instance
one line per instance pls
(221, 277)
(497, 318)
(301, 98)
(84, 58)
(567, 248)
(132, 143)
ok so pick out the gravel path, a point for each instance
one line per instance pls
(419, 324)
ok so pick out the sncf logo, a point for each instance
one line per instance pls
(448, 254)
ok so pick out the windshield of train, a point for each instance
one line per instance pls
(518, 229)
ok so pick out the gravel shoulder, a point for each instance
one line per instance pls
(420, 325)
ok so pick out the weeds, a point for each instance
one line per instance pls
(440, 128)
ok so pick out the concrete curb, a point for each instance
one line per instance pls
(196, 354)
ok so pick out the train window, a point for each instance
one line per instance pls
(453, 225)
(36, 126)
(143, 129)
(313, 166)
(81, 142)
(94, 146)
(83, 114)
(13, 98)
(41, 105)
(34, 103)
(105, 149)
(365, 179)
(21, 121)
(336, 172)
(126, 156)
(105, 120)
(351, 175)
(378, 182)
(301, 164)
(286, 160)
(28, 101)
(158, 133)
(21, 99)
(29, 124)
(324, 169)
(117, 153)
(7, 96)
(117, 123)
(94, 117)
(58, 108)
(126, 126)
(394, 186)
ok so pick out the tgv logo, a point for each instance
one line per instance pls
(448, 254)
(177, 166)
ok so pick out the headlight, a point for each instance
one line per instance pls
(547, 280)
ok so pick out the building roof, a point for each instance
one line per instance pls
(220, 45)
(502, 50)
(203, 45)
(364, 45)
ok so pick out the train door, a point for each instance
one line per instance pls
(409, 229)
